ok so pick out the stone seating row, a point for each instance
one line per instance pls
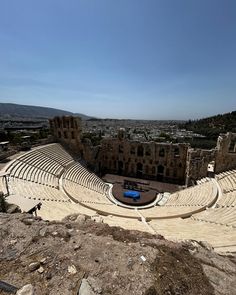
(200, 195)
(224, 211)
(59, 210)
(56, 153)
(203, 180)
(39, 161)
(35, 191)
(222, 238)
(42, 165)
(96, 201)
(162, 198)
(228, 183)
(160, 212)
(78, 174)
(83, 194)
(79, 189)
(225, 174)
(31, 173)
(100, 203)
(127, 223)
(222, 216)
(227, 200)
(52, 157)
(174, 229)
(91, 194)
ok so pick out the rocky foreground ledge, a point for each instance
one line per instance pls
(86, 257)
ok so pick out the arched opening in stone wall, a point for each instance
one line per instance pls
(139, 170)
(120, 167)
(160, 172)
(175, 172)
(121, 149)
(148, 151)
(168, 172)
(232, 146)
(176, 152)
(64, 123)
(147, 169)
(58, 122)
(132, 169)
(71, 123)
(162, 153)
(140, 151)
(132, 150)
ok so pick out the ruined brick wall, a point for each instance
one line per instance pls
(169, 162)
(150, 160)
(197, 164)
(91, 156)
(226, 152)
(67, 130)
(223, 155)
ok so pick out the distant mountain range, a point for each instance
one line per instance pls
(15, 111)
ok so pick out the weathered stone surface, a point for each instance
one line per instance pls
(97, 218)
(41, 270)
(80, 219)
(12, 208)
(68, 128)
(26, 290)
(34, 265)
(72, 269)
(43, 260)
(43, 231)
(27, 221)
(109, 261)
(85, 288)
(206, 245)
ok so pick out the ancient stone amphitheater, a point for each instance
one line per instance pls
(49, 175)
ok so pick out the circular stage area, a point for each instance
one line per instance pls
(146, 196)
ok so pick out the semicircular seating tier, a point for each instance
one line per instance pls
(90, 191)
(184, 203)
(87, 189)
(43, 165)
(224, 211)
(78, 174)
(64, 187)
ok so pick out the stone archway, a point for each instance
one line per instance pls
(140, 151)
(139, 170)
(160, 172)
(120, 167)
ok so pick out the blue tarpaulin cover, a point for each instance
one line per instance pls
(132, 194)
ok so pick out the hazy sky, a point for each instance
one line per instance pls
(149, 59)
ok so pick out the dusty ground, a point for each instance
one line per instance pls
(110, 258)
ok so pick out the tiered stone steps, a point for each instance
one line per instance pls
(63, 186)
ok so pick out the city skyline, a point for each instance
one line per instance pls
(128, 59)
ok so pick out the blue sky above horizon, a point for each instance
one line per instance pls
(154, 59)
